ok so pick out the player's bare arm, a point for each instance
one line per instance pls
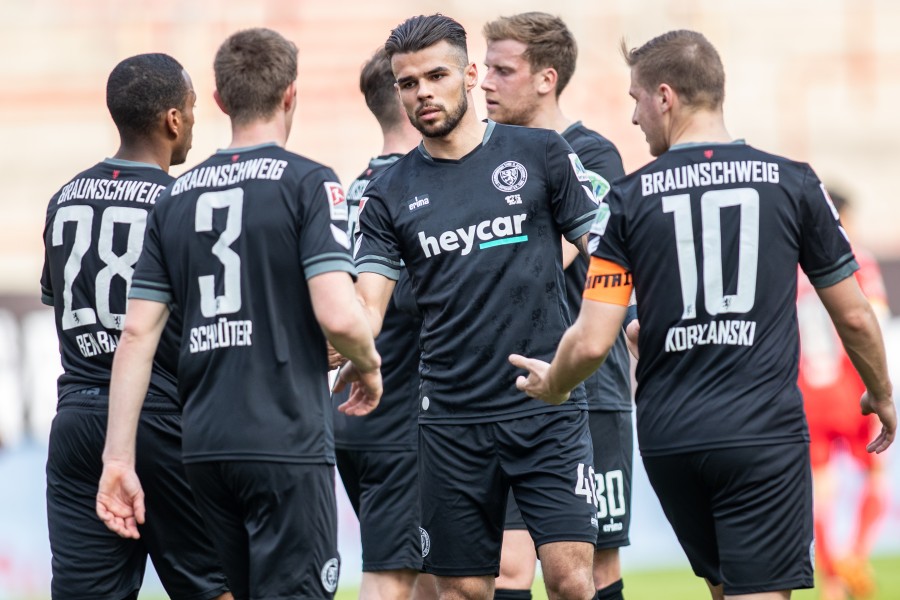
(120, 499)
(857, 325)
(581, 351)
(344, 322)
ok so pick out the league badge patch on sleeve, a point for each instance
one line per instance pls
(580, 172)
(337, 201)
(600, 221)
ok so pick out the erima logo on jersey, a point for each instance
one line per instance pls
(418, 202)
(509, 177)
(489, 233)
(340, 236)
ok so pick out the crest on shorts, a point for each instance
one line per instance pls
(329, 575)
(509, 177)
(426, 542)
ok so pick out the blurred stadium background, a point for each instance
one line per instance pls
(814, 80)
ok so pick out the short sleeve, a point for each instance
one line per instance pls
(377, 250)
(151, 278)
(324, 242)
(825, 253)
(608, 232)
(573, 203)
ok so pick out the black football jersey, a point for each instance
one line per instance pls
(609, 388)
(392, 425)
(93, 236)
(481, 240)
(233, 242)
(712, 234)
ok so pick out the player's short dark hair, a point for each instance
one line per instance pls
(140, 89)
(376, 82)
(418, 33)
(253, 68)
(686, 61)
(549, 42)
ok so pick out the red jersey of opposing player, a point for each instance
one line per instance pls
(830, 385)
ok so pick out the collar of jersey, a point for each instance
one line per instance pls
(118, 162)
(385, 159)
(245, 148)
(737, 142)
(571, 128)
(487, 136)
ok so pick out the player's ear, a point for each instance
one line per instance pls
(547, 79)
(471, 76)
(665, 96)
(219, 101)
(290, 96)
(174, 122)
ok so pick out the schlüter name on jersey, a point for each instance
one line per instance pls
(489, 233)
(144, 192)
(721, 333)
(221, 334)
(92, 344)
(709, 173)
(219, 175)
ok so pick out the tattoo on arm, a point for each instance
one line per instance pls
(582, 244)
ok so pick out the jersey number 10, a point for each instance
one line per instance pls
(711, 205)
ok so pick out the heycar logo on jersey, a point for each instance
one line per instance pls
(497, 232)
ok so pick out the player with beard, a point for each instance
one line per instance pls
(93, 237)
(252, 245)
(376, 454)
(476, 213)
(530, 60)
(709, 235)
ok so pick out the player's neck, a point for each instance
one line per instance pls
(259, 132)
(550, 117)
(467, 136)
(400, 139)
(145, 151)
(698, 127)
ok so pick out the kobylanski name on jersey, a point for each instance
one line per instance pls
(489, 233)
(721, 333)
(709, 173)
(221, 334)
(90, 188)
(219, 175)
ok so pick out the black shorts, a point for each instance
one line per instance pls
(90, 561)
(276, 526)
(743, 515)
(465, 472)
(383, 488)
(612, 435)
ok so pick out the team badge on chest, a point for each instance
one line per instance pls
(509, 177)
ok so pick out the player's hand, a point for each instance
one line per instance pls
(335, 358)
(887, 414)
(120, 499)
(631, 337)
(365, 393)
(536, 384)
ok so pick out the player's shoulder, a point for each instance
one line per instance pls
(581, 137)
(530, 135)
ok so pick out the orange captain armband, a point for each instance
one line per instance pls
(607, 282)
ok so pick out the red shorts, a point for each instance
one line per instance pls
(830, 431)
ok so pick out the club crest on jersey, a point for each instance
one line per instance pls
(425, 539)
(509, 177)
(337, 201)
(329, 575)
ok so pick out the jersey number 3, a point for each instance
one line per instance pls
(230, 300)
(711, 205)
